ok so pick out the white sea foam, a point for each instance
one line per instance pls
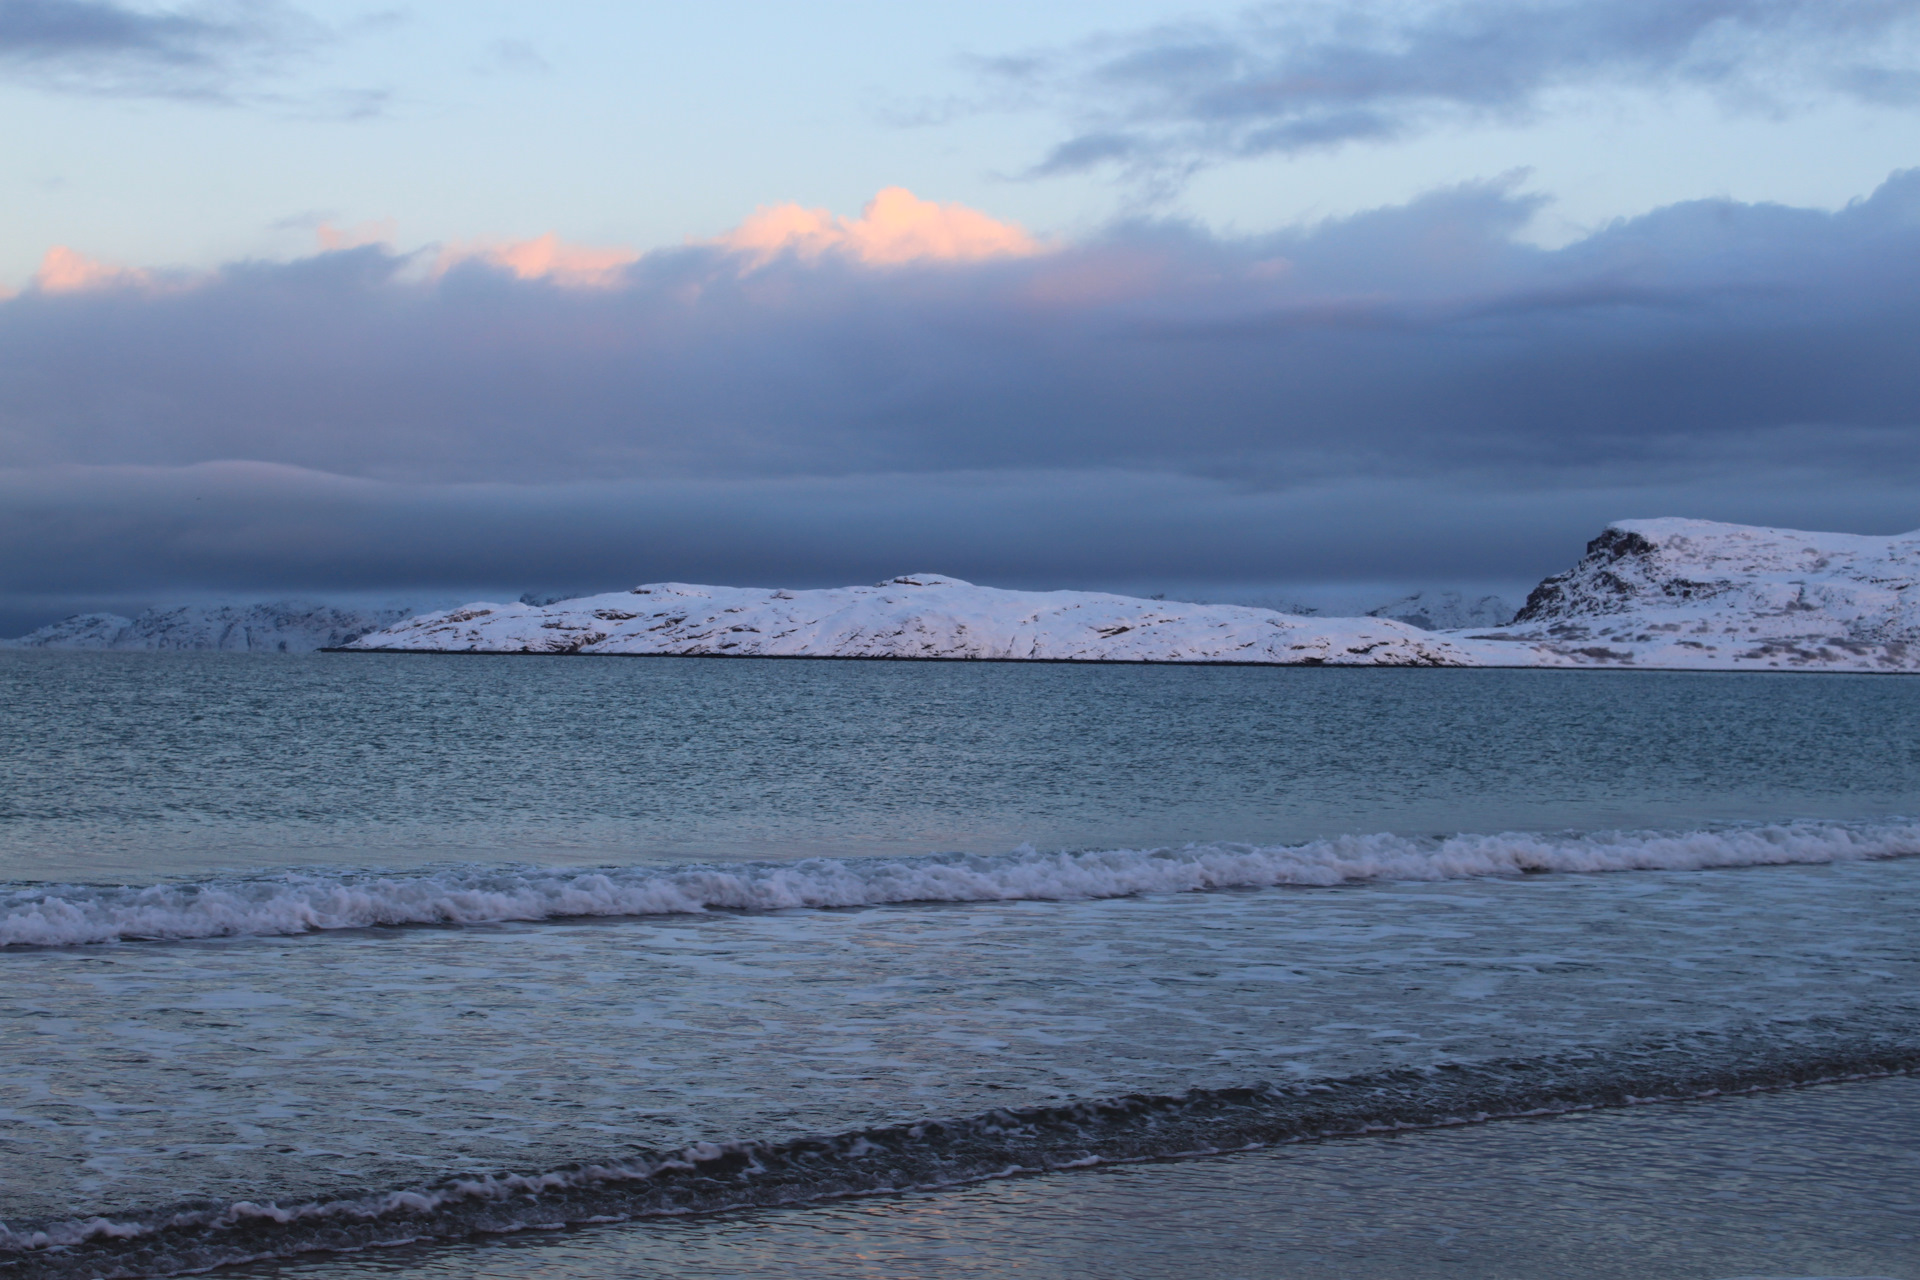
(299, 902)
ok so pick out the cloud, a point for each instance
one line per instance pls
(895, 227)
(62, 30)
(64, 271)
(517, 57)
(1302, 75)
(545, 258)
(332, 239)
(240, 529)
(217, 51)
(1384, 395)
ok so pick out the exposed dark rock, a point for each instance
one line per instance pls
(1593, 585)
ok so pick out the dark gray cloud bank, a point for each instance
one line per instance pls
(1299, 76)
(1408, 396)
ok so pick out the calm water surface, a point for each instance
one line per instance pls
(145, 765)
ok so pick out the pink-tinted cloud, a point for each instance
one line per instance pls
(65, 271)
(333, 239)
(546, 258)
(896, 227)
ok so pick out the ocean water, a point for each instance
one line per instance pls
(352, 964)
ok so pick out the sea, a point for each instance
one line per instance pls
(354, 965)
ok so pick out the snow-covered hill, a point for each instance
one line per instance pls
(1649, 593)
(1697, 594)
(918, 616)
(283, 627)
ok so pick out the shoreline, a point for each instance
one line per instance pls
(1315, 664)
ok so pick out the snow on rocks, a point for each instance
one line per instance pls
(1697, 594)
(920, 616)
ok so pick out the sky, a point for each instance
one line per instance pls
(1295, 301)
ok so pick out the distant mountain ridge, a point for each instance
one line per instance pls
(285, 626)
(302, 627)
(1666, 594)
(1445, 611)
(1663, 594)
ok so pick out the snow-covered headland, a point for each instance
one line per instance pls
(281, 627)
(1649, 593)
(1696, 594)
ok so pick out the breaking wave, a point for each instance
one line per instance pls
(302, 901)
(711, 1176)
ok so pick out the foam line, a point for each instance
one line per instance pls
(45, 915)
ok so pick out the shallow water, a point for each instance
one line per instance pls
(1254, 889)
(1816, 1182)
